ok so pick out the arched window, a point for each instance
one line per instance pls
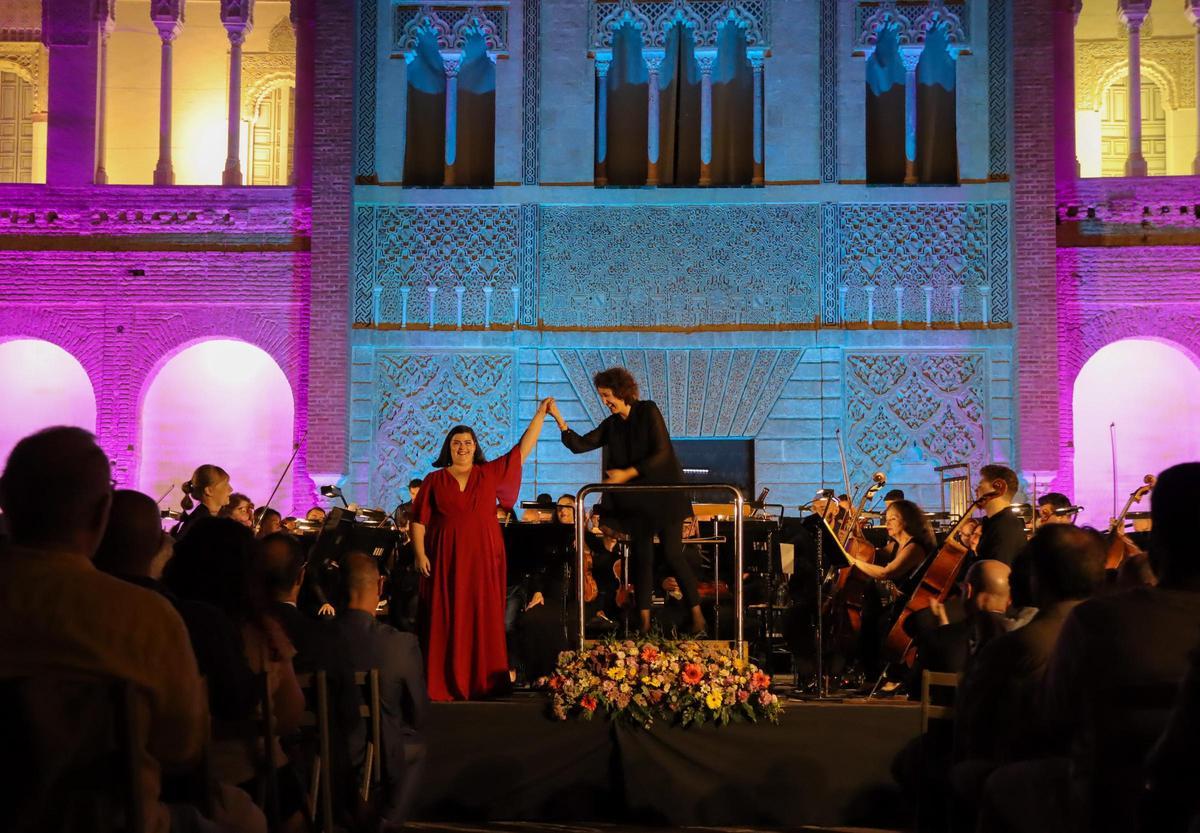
(224, 402)
(1114, 127)
(1148, 373)
(885, 109)
(51, 386)
(271, 130)
(626, 125)
(937, 132)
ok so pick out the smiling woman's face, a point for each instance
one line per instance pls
(462, 449)
(613, 402)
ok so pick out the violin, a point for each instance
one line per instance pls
(1119, 545)
(935, 585)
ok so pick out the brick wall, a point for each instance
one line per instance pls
(333, 133)
(1034, 242)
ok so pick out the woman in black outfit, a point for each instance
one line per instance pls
(637, 449)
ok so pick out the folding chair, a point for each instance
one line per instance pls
(372, 768)
(316, 718)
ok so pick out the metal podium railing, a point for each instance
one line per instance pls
(739, 503)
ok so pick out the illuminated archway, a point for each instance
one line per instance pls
(1150, 391)
(224, 402)
(50, 385)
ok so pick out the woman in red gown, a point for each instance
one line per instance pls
(460, 553)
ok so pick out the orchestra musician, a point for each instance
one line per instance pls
(1052, 509)
(638, 449)
(1002, 532)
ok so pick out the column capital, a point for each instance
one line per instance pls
(654, 60)
(1133, 13)
(707, 61)
(911, 56)
(168, 18)
(1192, 8)
(756, 60)
(603, 62)
(451, 64)
(106, 15)
(238, 17)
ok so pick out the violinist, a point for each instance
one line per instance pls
(1002, 533)
(1054, 508)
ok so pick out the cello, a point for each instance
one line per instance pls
(844, 607)
(1119, 545)
(935, 584)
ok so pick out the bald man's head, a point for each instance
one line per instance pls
(987, 586)
(362, 581)
(134, 543)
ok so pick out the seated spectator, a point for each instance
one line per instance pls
(267, 521)
(204, 495)
(986, 596)
(214, 563)
(320, 646)
(240, 508)
(995, 720)
(1172, 801)
(1113, 653)
(59, 614)
(402, 689)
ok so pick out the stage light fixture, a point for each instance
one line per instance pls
(334, 492)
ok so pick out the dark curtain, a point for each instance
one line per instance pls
(885, 110)
(937, 133)
(732, 111)
(679, 111)
(627, 102)
(425, 128)
(475, 163)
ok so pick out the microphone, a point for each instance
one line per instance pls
(1068, 510)
(757, 503)
(823, 493)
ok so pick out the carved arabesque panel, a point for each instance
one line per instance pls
(655, 18)
(933, 400)
(419, 397)
(678, 266)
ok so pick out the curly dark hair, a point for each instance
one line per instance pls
(915, 524)
(443, 460)
(620, 381)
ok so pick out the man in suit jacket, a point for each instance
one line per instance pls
(404, 699)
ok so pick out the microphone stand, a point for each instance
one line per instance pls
(819, 640)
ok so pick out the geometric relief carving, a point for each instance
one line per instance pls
(451, 24)
(952, 247)
(364, 123)
(934, 401)
(701, 393)
(692, 266)
(419, 397)
(475, 248)
(997, 89)
(829, 91)
(912, 22)
(1168, 61)
(654, 19)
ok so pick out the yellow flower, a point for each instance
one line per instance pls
(617, 672)
(713, 700)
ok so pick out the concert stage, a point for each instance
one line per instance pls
(825, 763)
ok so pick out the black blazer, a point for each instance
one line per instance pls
(641, 441)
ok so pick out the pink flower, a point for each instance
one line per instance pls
(743, 696)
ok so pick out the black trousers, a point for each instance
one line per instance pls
(670, 533)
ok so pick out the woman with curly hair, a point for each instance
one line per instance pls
(638, 449)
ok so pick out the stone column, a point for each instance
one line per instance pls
(238, 19)
(451, 64)
(1193, 13)
(910, 56)
(1133, 14)
(653, 62)
(1066, 158)
(707, 62)
(168, 19)
(602, 65)
(71, 36)
(303, 16)
(106, 21)
(757, 59)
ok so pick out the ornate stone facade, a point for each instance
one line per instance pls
(1169, 61)
(934, 401)
(912, 21)
(701, 393)
(419, 397)
(451, 24)
(655, 18)
(685, 266)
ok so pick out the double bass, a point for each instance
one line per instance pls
(1119, 545)
(934, 585)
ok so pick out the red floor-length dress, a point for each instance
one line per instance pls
(462, 601)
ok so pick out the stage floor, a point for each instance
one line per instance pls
(824, 764)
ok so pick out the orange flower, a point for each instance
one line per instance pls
(588, 702)
(759, 681)
(555, 683)
(649, 653)
(692, 673)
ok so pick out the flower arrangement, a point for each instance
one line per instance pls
(682, 683)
